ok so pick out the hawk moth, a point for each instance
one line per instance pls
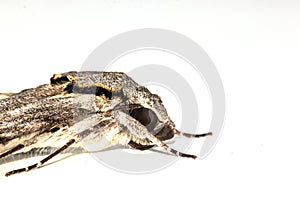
(82, 107)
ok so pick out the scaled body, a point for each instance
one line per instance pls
(81, 107)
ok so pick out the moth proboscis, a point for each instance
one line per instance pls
(83, 107)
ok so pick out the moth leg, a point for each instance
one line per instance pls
(9, 152)
(139, 133)
(39, 151)
(163, 145)
(43, 161)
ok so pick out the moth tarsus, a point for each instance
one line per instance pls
(84, 107)
(43, 161)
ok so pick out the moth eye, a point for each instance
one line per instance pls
(145, 116)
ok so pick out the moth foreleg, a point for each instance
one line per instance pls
(163, 145)
(43, 161)
(140, 134)
(11, 151)
(39, 151)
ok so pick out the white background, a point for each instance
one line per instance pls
(255, 46)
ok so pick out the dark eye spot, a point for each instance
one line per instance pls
(145, 116)
(149, 119)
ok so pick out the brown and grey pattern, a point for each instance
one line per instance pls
(78, 108)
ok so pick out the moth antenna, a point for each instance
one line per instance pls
(189, 135)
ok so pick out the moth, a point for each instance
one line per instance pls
(82, 107)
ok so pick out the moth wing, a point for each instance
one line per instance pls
(5, 95)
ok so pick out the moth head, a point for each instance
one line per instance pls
(148, 109)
